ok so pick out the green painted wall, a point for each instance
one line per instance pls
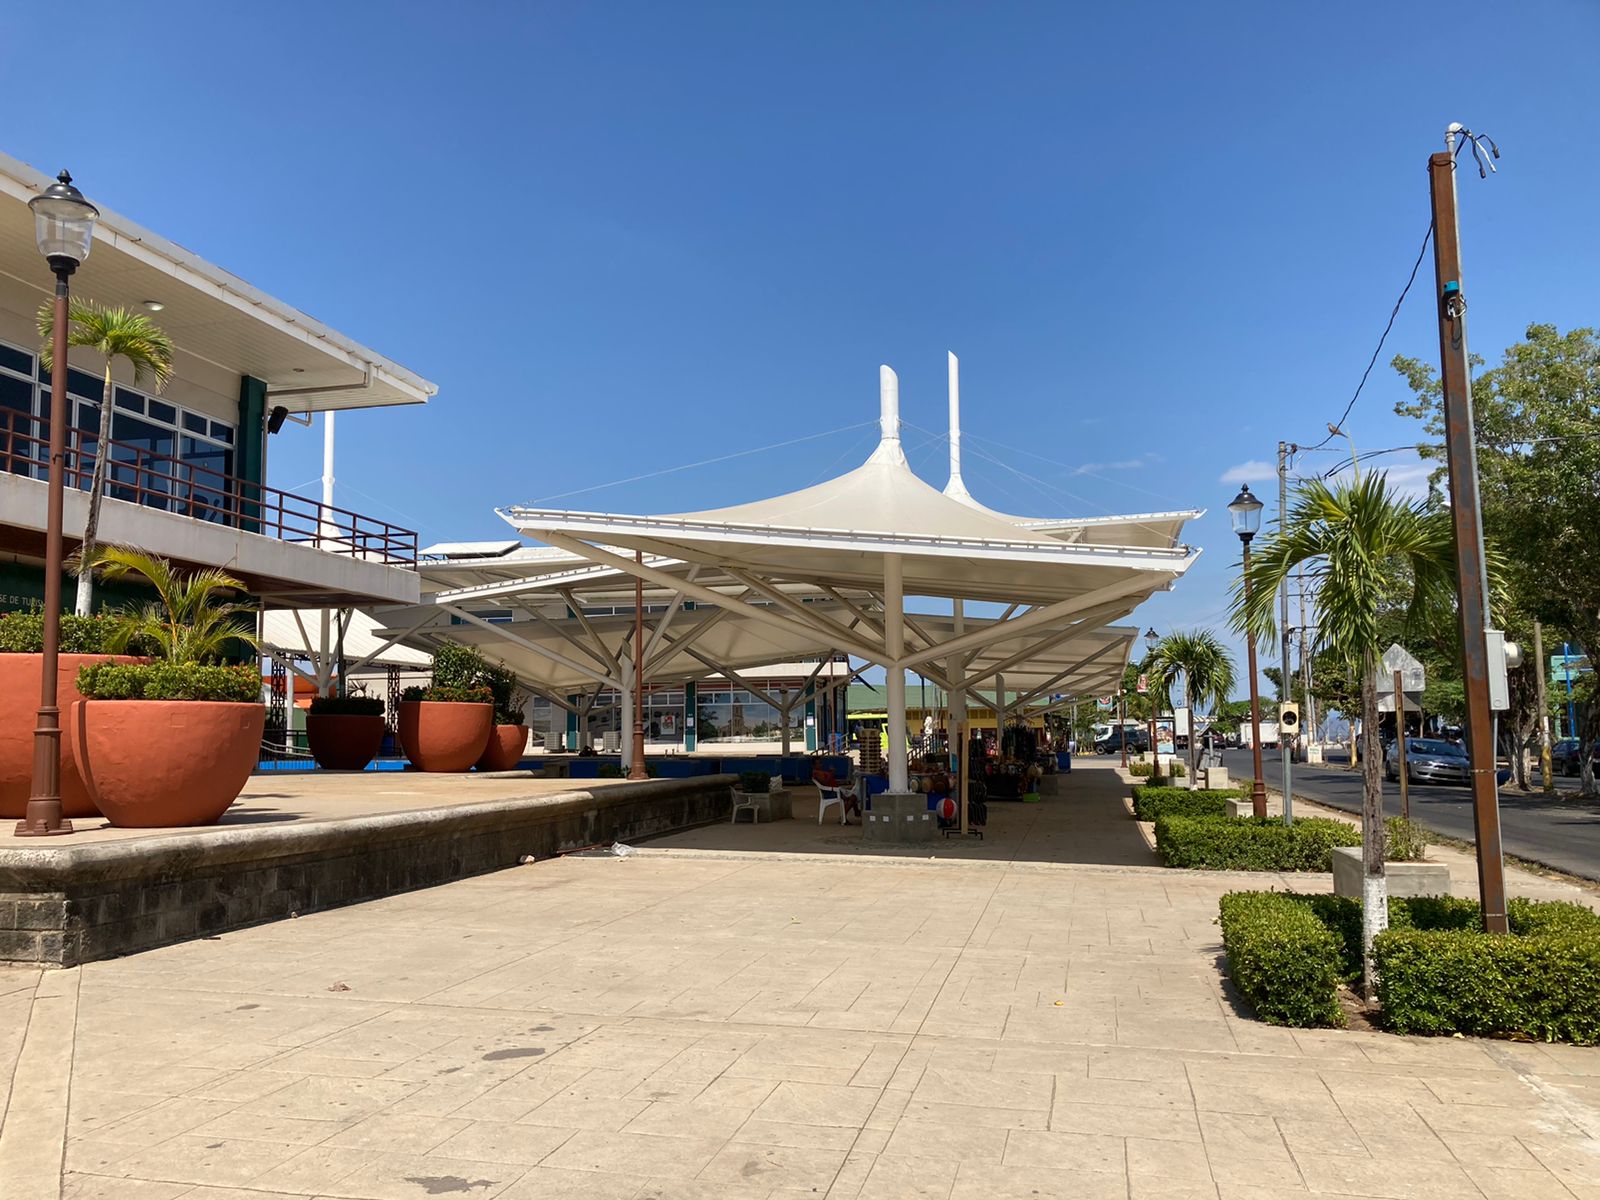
(690, 705)
(250, 456)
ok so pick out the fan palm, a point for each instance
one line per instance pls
(1355, 539)
(113, 333)
(188, 622)
(1208, 673)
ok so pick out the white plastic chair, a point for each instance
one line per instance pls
(837, 794)
(755, 805)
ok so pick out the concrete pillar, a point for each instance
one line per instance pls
(691, 704)
(811, 718)
(894, 633)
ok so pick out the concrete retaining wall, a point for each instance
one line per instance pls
(64, 905)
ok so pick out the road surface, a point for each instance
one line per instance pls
(1561, 833)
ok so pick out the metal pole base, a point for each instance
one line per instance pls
(43, 819)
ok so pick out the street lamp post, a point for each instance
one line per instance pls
(1152, 640)
(1245, 514)
(63, 228)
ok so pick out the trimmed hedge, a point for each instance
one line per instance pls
(1283, 960)
(1437, 972)
(1152, 802)
(23, 633)
(238, 684)
(1251, 844)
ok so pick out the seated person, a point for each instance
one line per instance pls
(828, 779)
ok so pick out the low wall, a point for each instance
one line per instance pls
(64, 905)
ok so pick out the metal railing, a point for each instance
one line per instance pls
(202, 493)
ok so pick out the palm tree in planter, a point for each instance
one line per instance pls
(171, 741)
(1356, 540)
(446, 726)
(1208, 673)
(112, 333)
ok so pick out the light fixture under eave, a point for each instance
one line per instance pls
(152, 305)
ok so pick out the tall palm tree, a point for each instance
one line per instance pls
(1208, 672)
(188, 622)
(112, 333)
(1354, 539)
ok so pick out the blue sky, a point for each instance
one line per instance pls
(623, 237)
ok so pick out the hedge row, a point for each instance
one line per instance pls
(1437, 972)
(240, 684)
(1152, 802)
(1283, 960)
(1251, 844)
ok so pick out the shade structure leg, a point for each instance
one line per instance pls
(894, 634)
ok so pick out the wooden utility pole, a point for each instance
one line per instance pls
(1547, 775)
(1471, 582)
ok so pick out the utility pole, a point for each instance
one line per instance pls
(1546, 767)
(1285, 750)
(1471, 576)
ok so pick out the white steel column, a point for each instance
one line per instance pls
(999, 716)
(625, 723)
(894, 635)
(958, 677)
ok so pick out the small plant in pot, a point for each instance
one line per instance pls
(171, 741)
(345, 732)
(509, 736)
(754, 783)
(83, 640)
(446, 725)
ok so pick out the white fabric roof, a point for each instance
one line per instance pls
(362, 637)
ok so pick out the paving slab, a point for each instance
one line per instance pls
(700, 1021)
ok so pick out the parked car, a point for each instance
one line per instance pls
(1564, 757)
(1137, 739)
(1429, 760)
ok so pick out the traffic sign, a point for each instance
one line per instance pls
(1413, 675)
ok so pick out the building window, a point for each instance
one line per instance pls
(166, 456)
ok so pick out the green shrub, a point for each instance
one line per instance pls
(1542, 985)
(346, 706)
(1152, 802)
(23, 633)
(1140, 770)
(456, 666)
(1251, 844)
(237, 684)
(1529, 917)
(1285, 962)
(754, 783)
(509, 697)
(1178, 770)
(608, 771)
(444, 694)
(1407, 841)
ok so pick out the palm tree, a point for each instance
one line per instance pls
(113, 333)
(187, 623)
(1355, 539)
(1208, 674)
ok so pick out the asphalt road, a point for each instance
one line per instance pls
(1563, 832)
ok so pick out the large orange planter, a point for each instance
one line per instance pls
(343, 741)
(506, 744)
(165, 762)
(440, 736)
(19, 705)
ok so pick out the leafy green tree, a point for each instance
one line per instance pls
(1538, 435)
(189, 622)
(1208, 677)
(1350, 537)
(112, 333)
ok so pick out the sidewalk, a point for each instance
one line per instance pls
(695, 1024)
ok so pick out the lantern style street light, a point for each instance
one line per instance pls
(63, 228)
(1151, 640)
(1245, 514)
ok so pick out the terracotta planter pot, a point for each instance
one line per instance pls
(504, 752)
(440, 736)
(165, 762)
(343, 741)
(19, 704)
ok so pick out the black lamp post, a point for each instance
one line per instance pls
(63, 228)
(1152, 639)
(1245, 513)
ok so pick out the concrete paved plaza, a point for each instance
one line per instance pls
(694, 1023)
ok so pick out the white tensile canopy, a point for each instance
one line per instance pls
(881, 531)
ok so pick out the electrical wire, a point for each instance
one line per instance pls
(1372, 362)
(721, 458)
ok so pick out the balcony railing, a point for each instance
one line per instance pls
(202, 493)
